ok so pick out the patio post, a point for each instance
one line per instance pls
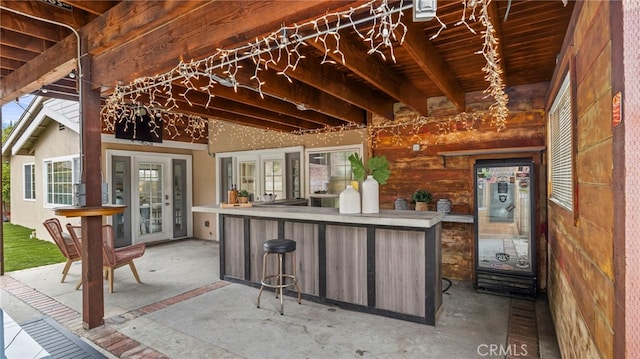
(92, 281)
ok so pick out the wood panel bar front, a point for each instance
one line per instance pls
(386, 264)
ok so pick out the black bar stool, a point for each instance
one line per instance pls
(280, 247)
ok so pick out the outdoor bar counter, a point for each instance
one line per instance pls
(388, 263)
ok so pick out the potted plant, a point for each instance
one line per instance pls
(377, 167)
(243, 196)
(422, 198)
(376, 172)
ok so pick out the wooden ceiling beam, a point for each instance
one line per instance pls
(25, 80)
(218, 24)
(10, 64)
(200, 99)
(53, 64)
(494, 16)
(128, 24)
(376, 72)
(196, 107)
(24, 42)
(44, 10)
(326, 78)
(16, 53)
(303, 94)
(32, 27)
(93, 7)
(426, 56)
(237, 118)
(252, 98)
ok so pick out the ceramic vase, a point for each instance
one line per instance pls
(349, 200)
(370, 196)
(444, 205)
(401, 204)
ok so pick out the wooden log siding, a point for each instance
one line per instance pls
(425, 168)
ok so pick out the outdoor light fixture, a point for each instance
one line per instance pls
(72, 74)
(424, 10)
(43, 90)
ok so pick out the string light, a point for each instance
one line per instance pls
(380, 31)
(399, 131)
(492, 68)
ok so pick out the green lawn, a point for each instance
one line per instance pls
(21, 252)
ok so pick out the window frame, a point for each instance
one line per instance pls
(257, 157)
(32, 184)
(561, 117)
(75, 178)
(356, 148)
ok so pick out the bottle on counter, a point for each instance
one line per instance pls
(232, 195)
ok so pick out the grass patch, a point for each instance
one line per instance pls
(22, 252)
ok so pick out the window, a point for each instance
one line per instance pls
(273, 177)
(260, 172)
(561, 147)
(330, 169)
(60, 175)
(247, 174)
(29, 181)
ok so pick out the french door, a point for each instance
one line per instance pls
(154, 187)
(154, 200)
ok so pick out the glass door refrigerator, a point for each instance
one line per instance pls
(505, 257)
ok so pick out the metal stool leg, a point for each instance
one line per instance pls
(281, 282)
(264, 273)
(295, 276)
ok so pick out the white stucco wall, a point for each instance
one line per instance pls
(52, 143)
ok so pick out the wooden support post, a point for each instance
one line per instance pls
(92, 282)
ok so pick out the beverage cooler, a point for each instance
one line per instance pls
(505, 258)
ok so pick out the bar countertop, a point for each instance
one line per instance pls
(416, 219)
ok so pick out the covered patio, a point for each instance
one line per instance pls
(183, 310)
(239, 85)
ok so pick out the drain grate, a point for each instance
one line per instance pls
(522, 339)
(58, 341)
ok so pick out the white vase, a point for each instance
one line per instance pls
(349, 200)
(370, 196)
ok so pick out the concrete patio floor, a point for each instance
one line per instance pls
(183, 310)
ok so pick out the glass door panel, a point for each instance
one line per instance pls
(504, 202)
(151, 198)
(179, 198)
(121, 194)
(294, 184)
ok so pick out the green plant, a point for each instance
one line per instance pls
(243, 193)
(377, 166)
(421, 195)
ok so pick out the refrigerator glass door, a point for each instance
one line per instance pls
(504, 206)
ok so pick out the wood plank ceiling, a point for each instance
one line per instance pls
(131, 39)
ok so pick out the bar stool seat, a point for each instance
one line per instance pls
(279, 280)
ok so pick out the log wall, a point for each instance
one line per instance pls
(454, 179)
(582, 279)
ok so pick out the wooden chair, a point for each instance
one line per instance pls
(75, 232)
(112, 258)
(64, 243)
